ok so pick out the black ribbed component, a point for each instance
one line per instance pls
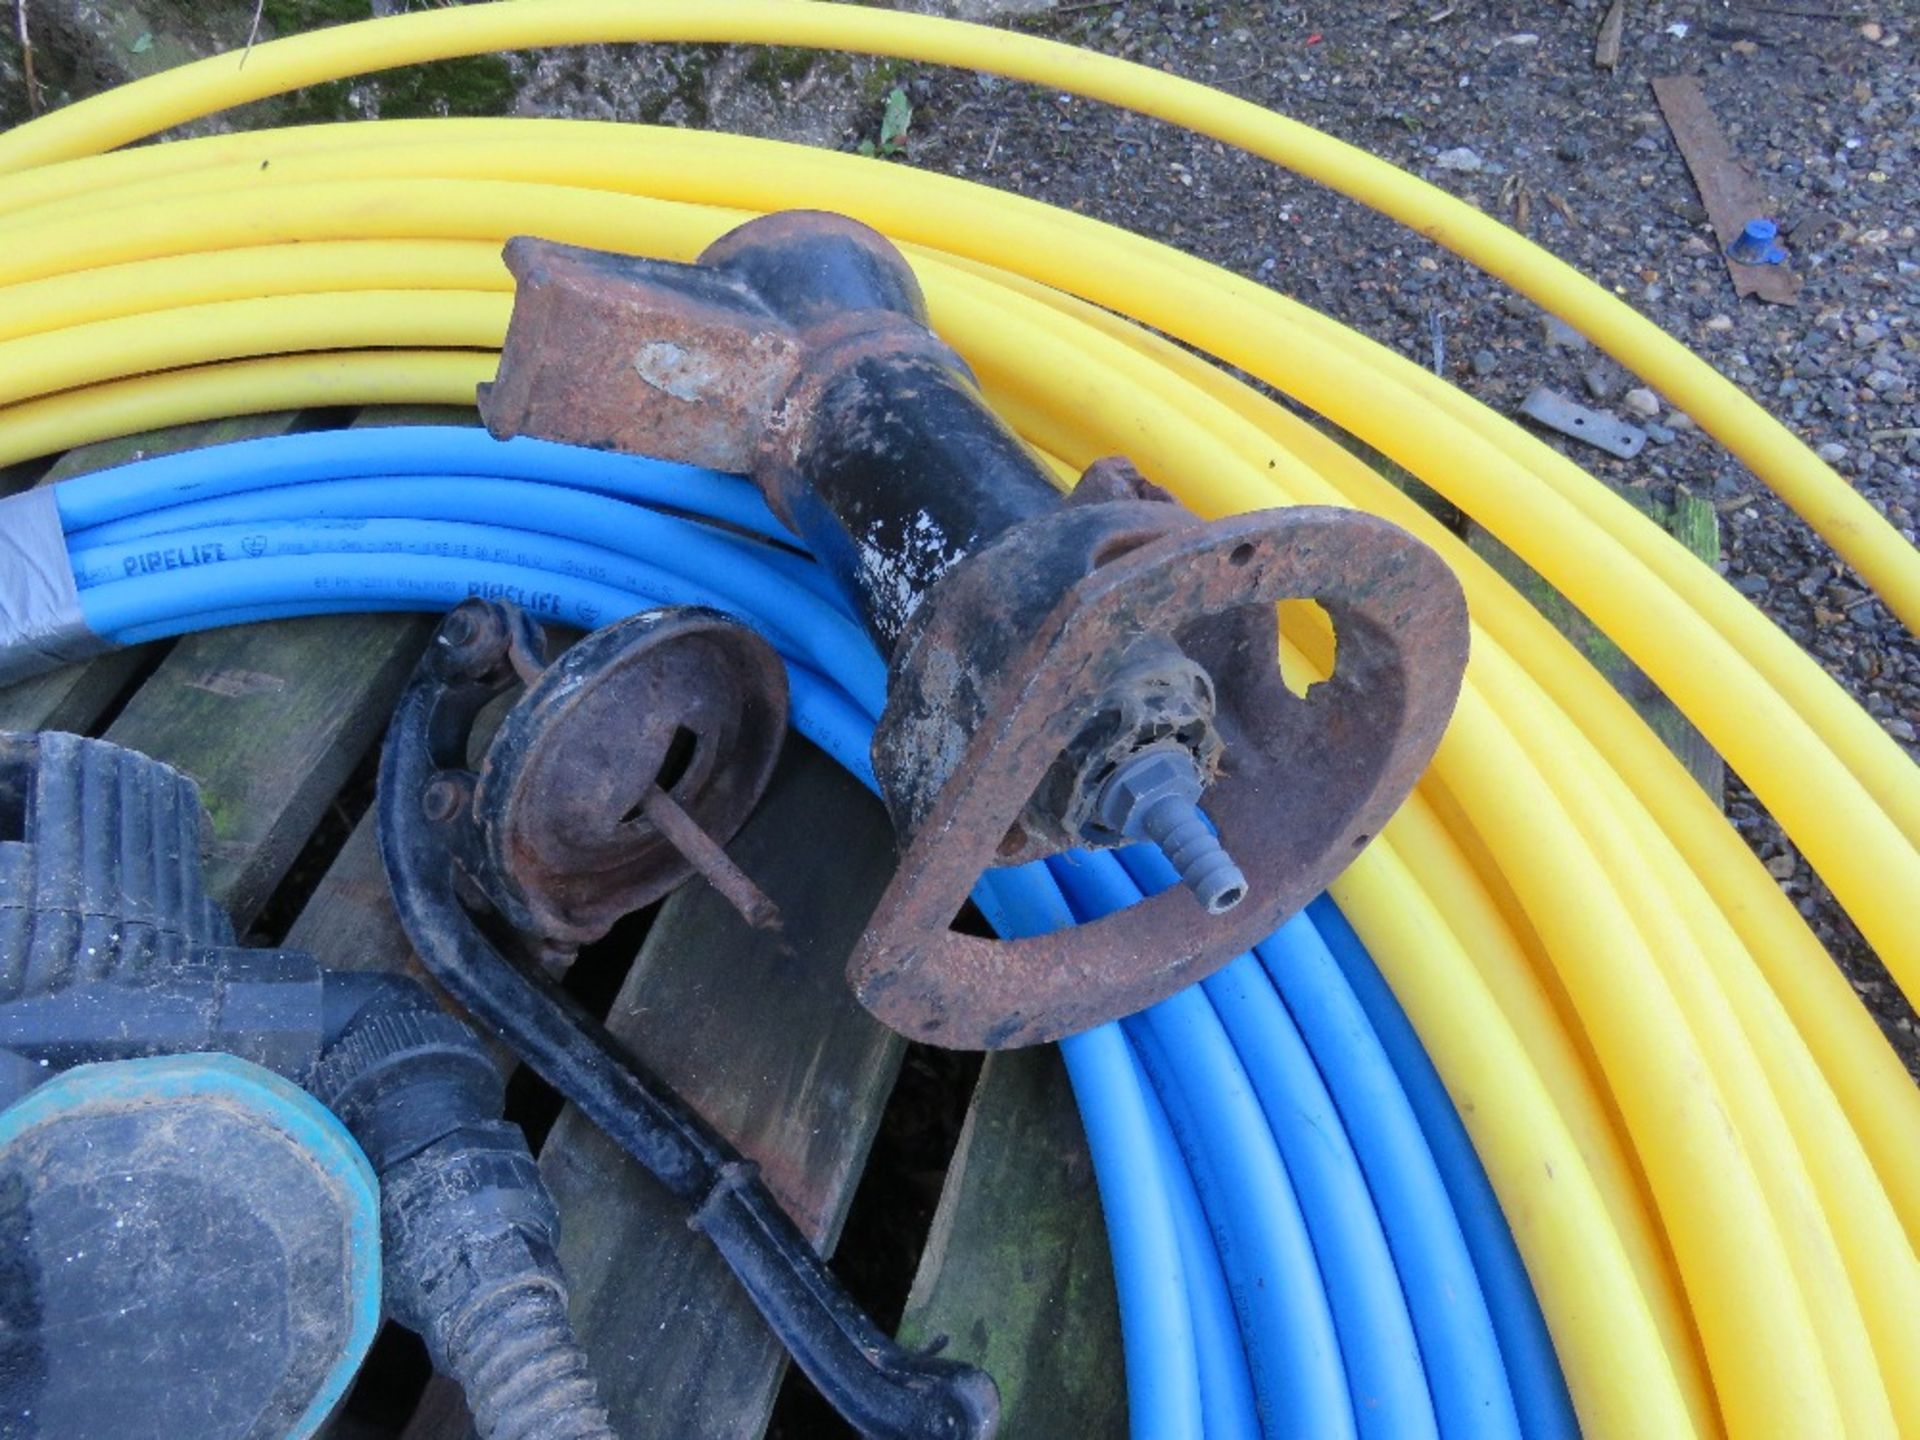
(468, 1230)
(467, 1225)
(526, 1376)
(99, 865)
(371, 1041)
(400, 1079)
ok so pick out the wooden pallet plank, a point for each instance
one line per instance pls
(1016, 1273)
(273, 718)
(440, 1415)
(270, 720)
(348, 923)
(74, 697)
(774, 1050)
(125, 449)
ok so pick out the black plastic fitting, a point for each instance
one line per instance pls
(468, 1228)
(103, 878)
(110, 949)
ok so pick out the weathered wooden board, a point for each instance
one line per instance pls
(348, 922)
(774, 1050)
(442, 1413)
(1016, 1272)
(270, 720)
(281, 714)
(73, 697)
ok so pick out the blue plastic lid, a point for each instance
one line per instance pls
(192, 1245)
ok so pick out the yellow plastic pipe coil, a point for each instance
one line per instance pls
(1709, 1156)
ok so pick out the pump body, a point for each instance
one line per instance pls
(1087, 670)
(161, 1174)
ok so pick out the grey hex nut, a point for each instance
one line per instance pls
(1143, 782)
(1156, 796)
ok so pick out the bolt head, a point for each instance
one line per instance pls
(442, 800)
(1142, 782)
(471, 640)
(458, 628)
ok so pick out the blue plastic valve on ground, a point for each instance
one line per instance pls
(1758, 244)
(189, 1245)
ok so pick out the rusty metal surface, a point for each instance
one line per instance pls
(682, 705)
(1115, 477)
(806, 362)
(641, 356)
(1036, 646)
(967, 648)
(706, 855)
(688, 362)
(1308, 781)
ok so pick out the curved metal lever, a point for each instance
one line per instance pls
(880, 1388)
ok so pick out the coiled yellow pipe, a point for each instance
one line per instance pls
(1705, 1150)
(1826, 502)
(1832, 815)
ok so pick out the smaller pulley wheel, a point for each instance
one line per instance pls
(683, 701)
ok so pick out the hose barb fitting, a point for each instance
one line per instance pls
(1155, 796)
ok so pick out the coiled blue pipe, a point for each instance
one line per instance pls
(1539, 1389)
(1285, 1323)
(1227, 1403)
(1351, 1223)
(652, 559)
(529, 507)
(426, 451)
(1448, 1308)
(1156, 1315)
(1369, 1308)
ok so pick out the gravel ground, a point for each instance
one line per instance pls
(1499, 102)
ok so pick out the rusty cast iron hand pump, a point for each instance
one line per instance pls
(1090, 670)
